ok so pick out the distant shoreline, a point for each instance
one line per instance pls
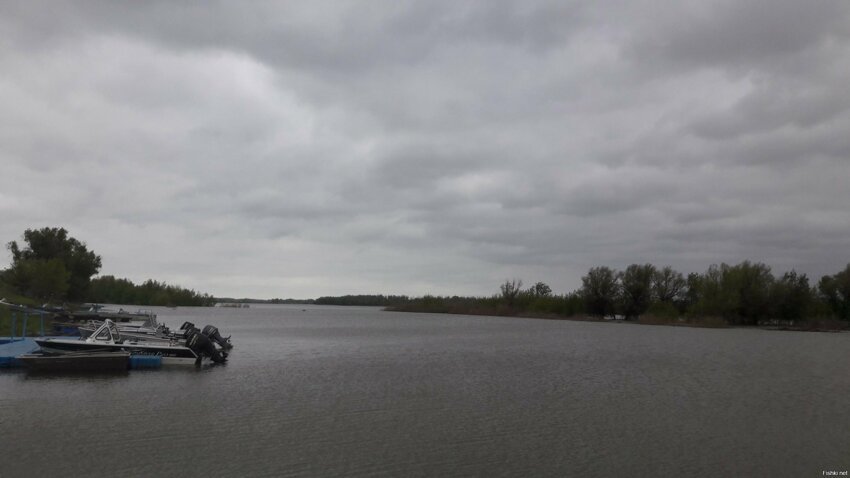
(826, 325)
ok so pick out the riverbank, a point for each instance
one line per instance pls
(815, 325)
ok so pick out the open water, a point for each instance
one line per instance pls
(352, 391)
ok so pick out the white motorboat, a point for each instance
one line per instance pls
(108, 338)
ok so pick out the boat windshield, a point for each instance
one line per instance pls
(108, 332)
(104, 334)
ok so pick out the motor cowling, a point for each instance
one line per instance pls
(186, 330)
(213, 334)
(203, 346)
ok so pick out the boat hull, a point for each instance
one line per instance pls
(171, 354)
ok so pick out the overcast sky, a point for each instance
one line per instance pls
(299, 149)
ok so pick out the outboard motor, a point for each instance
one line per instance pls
(185, 329)
(201, 345)
(212, 332)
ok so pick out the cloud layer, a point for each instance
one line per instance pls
(303, 149)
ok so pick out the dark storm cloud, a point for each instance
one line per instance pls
(300, 149)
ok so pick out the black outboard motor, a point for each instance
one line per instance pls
(212, 332)
(185, 329)
(201, 345)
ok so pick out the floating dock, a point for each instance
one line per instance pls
(77, 362)
(11, 348)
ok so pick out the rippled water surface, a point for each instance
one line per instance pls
(326, 391)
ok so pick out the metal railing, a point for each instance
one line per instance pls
(25, 317)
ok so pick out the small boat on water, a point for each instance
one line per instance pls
(143, 321)
(76, 362)
(107, 338)
(233, 305)
(98, 312)
(160, 333)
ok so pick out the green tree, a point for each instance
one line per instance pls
(540, 289)
(747, 286)
(791, 296)
(33, 260)
(599, 290)
(835, 290)
(691, 295)
(705, 292)
(668, 285)
(739, 293)
(510, 290)
(636, 289)
(46, 280)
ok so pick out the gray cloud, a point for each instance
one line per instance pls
(299, 149)
(747, 34)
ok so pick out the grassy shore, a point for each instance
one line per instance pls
(33, 323)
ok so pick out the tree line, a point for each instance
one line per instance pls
(747, 293)
(51, 266)
(744, 294)
(150, 292)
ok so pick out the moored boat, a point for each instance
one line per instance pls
(107, 338)
(161, 333)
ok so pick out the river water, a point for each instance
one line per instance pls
(354, 391)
